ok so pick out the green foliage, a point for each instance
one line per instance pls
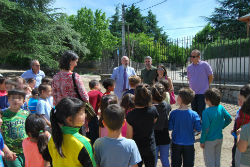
(206, 35)
(115, 23)
(94, 31)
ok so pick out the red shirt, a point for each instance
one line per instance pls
(3, 92)
(95, 99)
(106, 93)
(242, 119)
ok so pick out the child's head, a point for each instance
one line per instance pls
(166, 84)
(35, 128)
(27, 89)
(113, 117)
(16, 99)
(35, 93)
(128, 101)
(244, 92)
(19, 81)
(143, 96)
(186, 96)
(134, 81)
(10, 84)
(158, 92)
(44, 90)
(68, 112)
(31, 82)
(2, 83)
(94, 84)
(246, 106)
(109, 84)
(212, 97)
(46, 80)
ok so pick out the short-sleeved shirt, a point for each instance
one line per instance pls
(95, 99)
(30, 74)
(43, 107)
(1, 149)
(198, 76)
(111, 152)
(148, 76)
(32, 105)
(245, 135)
(13, 129)
(142, 121)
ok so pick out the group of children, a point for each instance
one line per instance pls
(130, 132)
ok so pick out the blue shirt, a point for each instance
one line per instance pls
(32, 105)
(117, 75)
(43, 107)
(214, 119)
(112, 152)
(4, 102)
(183, 123)
(30, 74)
(1, 148)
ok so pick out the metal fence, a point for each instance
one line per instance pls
(229, 59)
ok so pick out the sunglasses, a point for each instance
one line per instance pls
(193, 56)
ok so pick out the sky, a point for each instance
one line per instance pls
(174, 16)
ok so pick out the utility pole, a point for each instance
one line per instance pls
(123, 30)
(128, 44)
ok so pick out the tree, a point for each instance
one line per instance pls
(115, 23)
(206, 35)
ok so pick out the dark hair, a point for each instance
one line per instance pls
(47, 80)
(67, 107)
(2, 79)
(128, 101)
(114, 116)
(93, 83)
(66, 58)
(134, 80)
(15, 79)
(143, 96)
(105, 101)
(158, 92)
(166, 84)
(213, 95)
(30, 80)
(43, 87)
(16, 92)
(10, 82)
(245, 90)
(246, 106)
(35, 92)
(163, 67)
(35, 126)
(186, 95)
(108, 82)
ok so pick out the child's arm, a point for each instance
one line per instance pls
(47, 122)
(205, 128)
(242, 143)
(227, 117)
(129, 131)
(10, 156)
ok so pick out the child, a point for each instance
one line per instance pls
(105, 101)
(3, 94)
(166, 85)
(31, 82)
(124, 151)
(128, 102)
(95, 96)
(109, 85)
(162, 138)
(43, 107)
(183, 122)
(140, 124)
(33, 101)
(36, 143)
(13, 128)
(243, 144)
(67, 147)
(240, 120)
(47, 81)
(1, 143)
(214, 119)
(133, 82)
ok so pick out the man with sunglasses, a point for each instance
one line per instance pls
(34, 72)
(149, 73)
(200, 76)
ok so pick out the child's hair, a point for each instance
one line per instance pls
(46, 80)
(246, 106)
(93, 83)
(108, 82)
(186, 95)
(166, 84)
(158, 92)
(35, 92)
(114, 117)
(105, 101)
(143, 95)
(128, 101)
(43, 87)
(35, 126)
(2, 79)
(134, 80)
(245, 90)
(213, 95)
(10, 82)
(164, 69)
(18, 78)
(67, 107)
(30, 80)
(16, 92)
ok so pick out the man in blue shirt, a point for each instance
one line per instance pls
(34, 72)
(120, 75)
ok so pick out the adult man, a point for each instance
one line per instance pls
(200, 76)
(120, 75)
(34, 72)
(148, 74)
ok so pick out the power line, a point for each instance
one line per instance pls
(136, 2)
(179, 28)
(154, 5)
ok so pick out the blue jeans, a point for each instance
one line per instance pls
(198, 104)
(164, 153)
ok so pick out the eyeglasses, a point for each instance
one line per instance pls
(193, 57)
(160, 69)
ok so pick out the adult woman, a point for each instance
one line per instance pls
(162, 75)
(62, 84)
